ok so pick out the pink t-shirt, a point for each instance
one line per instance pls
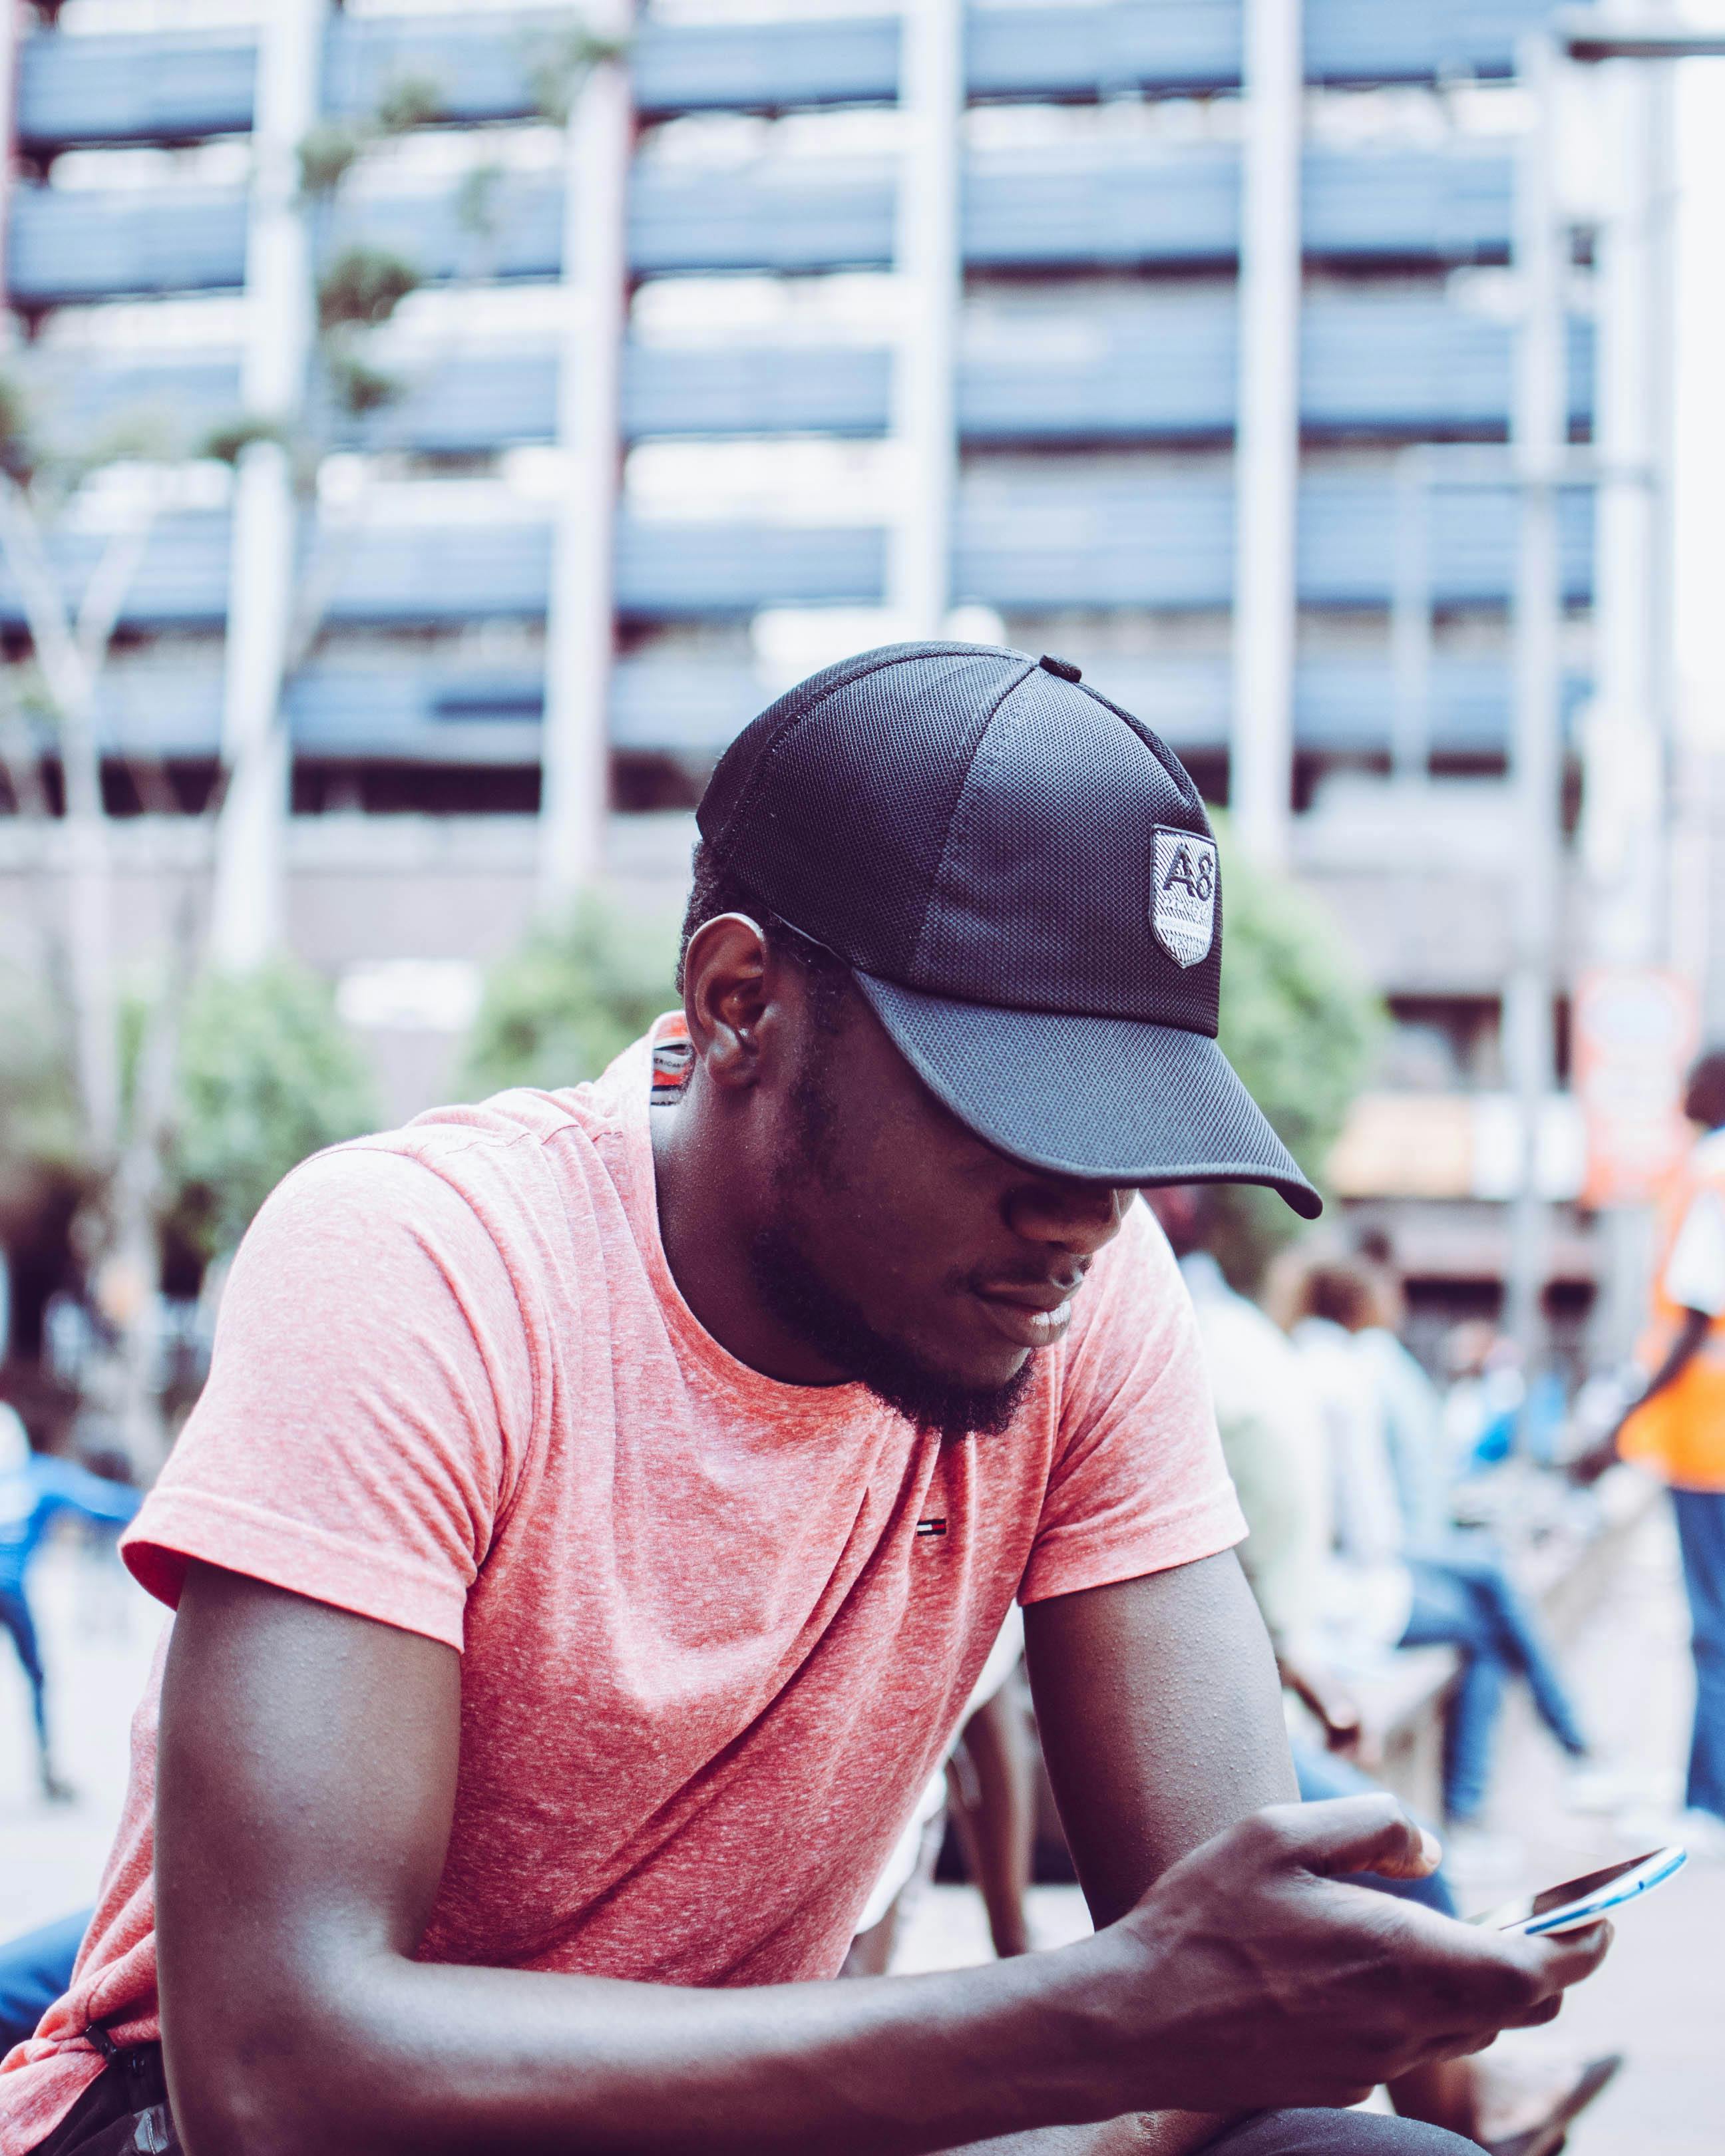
(715, 1630)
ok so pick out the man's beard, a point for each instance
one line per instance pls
(793, 1287)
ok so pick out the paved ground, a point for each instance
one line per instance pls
(1662, 1997)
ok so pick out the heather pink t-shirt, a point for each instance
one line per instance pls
(715, 1630)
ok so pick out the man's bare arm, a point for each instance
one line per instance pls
(307, 1772)
(1160, 1712)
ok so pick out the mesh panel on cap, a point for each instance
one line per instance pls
(1111, 1099)
(845, 807)
(743, 758)
(1178, 775)
(1044, 894)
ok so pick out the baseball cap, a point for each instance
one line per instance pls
(1022, 882)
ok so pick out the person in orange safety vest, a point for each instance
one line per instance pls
(1676, 1427)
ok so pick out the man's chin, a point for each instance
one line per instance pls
(898, 1375)
(956, 1409)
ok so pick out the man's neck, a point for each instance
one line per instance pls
(707, 1219)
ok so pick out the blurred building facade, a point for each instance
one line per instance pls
(1186, 339)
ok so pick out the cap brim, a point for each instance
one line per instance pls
(1112, 1099)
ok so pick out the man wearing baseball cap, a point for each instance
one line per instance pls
(603, 1502)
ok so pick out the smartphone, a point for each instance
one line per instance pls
(1580, 1901)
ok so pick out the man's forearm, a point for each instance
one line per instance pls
(1693, 1331)
(1590, 1466)
(403, 2054)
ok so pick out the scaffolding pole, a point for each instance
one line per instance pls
(1624, 750)
(1538, 434)
(928, 257)
(1267, 431)
(581, 627)
(1627, 747)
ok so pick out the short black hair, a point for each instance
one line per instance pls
(1704, 1096)
(715, 889)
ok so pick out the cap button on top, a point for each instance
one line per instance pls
(1063, 668)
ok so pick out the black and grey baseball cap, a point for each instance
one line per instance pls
(1025, 883)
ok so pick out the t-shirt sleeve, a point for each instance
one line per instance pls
(1695, 1271)
(369, 1403)
(1138, 1483)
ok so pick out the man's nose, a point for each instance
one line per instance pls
(1064, 1215)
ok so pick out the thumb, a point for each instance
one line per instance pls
(1369, 1833)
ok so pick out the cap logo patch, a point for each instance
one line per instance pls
(1183, 902)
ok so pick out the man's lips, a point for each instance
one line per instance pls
(1029, 1313)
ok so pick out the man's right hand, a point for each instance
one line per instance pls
(1254, 1975)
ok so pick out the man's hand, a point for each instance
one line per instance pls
(1257, 1977)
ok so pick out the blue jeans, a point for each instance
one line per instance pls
(1322, 1774)
(1701, 1537)
(1470, 1604)
(15, 1619)
(35, 1971)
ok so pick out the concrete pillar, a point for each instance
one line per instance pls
(12, 32)
(581, 622)
(1537, 432)
(1625, 848)
(1411, 625)
(1267, 431)
(1697, 479)
(247, 915)
(929, 255)
(1624, 746)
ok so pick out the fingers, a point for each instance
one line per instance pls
(1457, 2044)
(1517, 1982)
(1354, 1834)
(1539, 2016)
(1571, 1957)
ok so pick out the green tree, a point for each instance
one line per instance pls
(267, 1076)
(1299, 1026)
(40, 1140)
(571, 997)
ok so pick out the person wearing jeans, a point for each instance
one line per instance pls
(1701, 1538)
(33, 1490)
(1393, 1594)
(1270, 1422)
(1676, 1429)
(1473, 1606)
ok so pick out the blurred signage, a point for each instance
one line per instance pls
(1635, 1032)
(428, 995)
(1454, 1145)
(1405, 1145)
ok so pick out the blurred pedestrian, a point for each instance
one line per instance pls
(1410, 1405)
(1676, 1429)
(1271, 1422)
(34, 1489)
(1451, 1597)
(1482, 1407)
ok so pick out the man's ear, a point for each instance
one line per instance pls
(726, 997)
